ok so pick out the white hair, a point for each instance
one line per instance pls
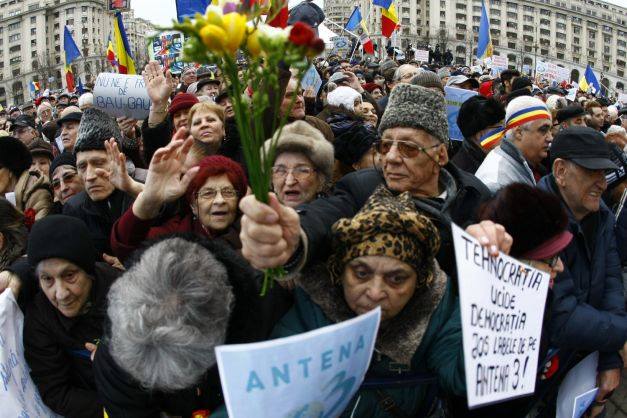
(613, 112)
(86, 101)
(556, 102)
(615, 129)
(167, 314)
(42, 107)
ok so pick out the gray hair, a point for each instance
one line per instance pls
(615, 129)
(168, 312)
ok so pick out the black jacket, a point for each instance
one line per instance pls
(156, 137)
(465, 194)
(98, 216)
(54, 348)
(469, 157)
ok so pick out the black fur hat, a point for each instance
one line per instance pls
(530, 215)
(477, 113)
(14, 155)
(96, 127)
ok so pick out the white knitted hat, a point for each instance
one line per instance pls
(344, 96)
(522, 103)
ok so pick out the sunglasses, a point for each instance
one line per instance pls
(406, 149)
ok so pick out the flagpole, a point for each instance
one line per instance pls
(341, 27)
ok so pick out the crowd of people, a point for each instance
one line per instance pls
(134, 247)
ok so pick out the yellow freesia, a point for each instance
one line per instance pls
(252, 42)
(213, 15)
(234, 25)
(213, 36)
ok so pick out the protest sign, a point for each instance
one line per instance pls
(311, 79)
(498, 64)
(421, 55)
(622, 98)
(122, 95)
(572, 94)
(502, 304)
(578, 389)
(167, 49)
(18, 395)
(454, 99)
(311, 374)
(550, 71)
(341, 45)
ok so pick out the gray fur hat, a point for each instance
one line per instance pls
(412, 106)
(95, 128)
(301, 137)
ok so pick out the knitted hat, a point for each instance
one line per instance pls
(65, 158)
(485, 89)
(387, 225)
(14, 155)
(428, 79)
(534, 218)
(343, 96)
(370, 87)
(182, 101)
(412, 106)
(525, 109)
(40, 147)
(478, 113)
(301, 137)
(354, 143)
(443, 73)
(60, 236)
(96, 127)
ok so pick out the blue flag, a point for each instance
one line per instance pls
(190, 7)
(354, 20)
(80, 87)
(382, 3)
(71, 50)
(484, 46)
(592, 80)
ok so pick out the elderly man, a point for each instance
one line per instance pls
(25, 129)
(298, 109)
(44, 113)
(573, 115)
(64, 179)
(413, 148)
(588, 305)
(518, 158)
(68, 123)
(403, 74)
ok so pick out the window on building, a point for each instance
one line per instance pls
(544, 52)
(69, 22)
(14, 38)
(84, 9)
(69, 11)
(14, 26)
(15, 60)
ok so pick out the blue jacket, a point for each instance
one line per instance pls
(588, 306)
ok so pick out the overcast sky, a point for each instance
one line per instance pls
(163, 11)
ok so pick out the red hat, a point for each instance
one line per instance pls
(485, 89)
(370, 87)
(182, 101)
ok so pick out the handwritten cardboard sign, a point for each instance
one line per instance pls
(502, 304)
(311, 374)
(455, 97)
(18, 395)
(122, 95)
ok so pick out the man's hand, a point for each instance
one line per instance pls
(158, 85)
(269, 233)
(92, 349)
(117, 173)
(353, 82)
(608, 381)
(113, 261)
(127, 126)
(491, 235)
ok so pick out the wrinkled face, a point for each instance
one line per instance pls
(93, 167)
(215, 203)
(376, 94)
(372, 281)
(69, 132)
(228, 108)
(534, 139)
(5, 180)
(412, 174)
(345, 66)
(294, 179)
(179, 119)
(581, 188)
(210, 90)
(367, 111)
(293, 92)
(66, 285)
(189, 77)
(406, 73)
(42, 164)
(45, 115)
(66, 183)
(26, 134)
(596, 119)
(207, 127)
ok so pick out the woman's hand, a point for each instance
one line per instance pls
(158, 84)
(491, 235)
(11, 281)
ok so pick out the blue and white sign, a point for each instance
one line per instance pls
(122, 95)
(454, 98)
(311, 79)
(311, 374)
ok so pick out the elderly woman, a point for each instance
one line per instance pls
(212, 190)
(303, 164)
(385, 256)
(205, 124)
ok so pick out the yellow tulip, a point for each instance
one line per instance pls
(213, 37)
(252, 42)
(213, 15)
(235, 26)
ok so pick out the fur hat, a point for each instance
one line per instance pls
(95, 128)
(343, 96)
(478, 113)
(412, 106)
(301, 137)
(532, 217)
(14, 155)
(351, 145)
(428, 79)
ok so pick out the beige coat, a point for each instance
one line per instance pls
(33, 191)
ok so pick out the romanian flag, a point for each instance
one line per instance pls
(484, 46)
(126, 64)
(35, 86)
(111, 53)
(356, 21)
(588, 79)
(527, 115)
(492, 138)
(389, 21)
(71, 52)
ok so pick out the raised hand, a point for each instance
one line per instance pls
(127, 126)
(117, 174)
(158, 84)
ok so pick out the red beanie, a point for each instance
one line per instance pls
(486, 89)
(182, 101)
(370, 87)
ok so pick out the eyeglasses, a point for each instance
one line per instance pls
(407, 149)
(300, 173)
(66, 177)
(211, 193)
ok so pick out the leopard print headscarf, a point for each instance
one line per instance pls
(387, 225)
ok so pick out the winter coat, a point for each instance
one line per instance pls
(469, 156)
(588, 306)
(423, 340)
(155, 137)
(339, 119)
(33, 191)
(99, 216)
(129, 232)
(464, 194)
(505, 165)
(54, 348)
(252, 319)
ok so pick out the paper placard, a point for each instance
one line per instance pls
(455, 97)
(167, 49)
(421, 55)
(122, 95)
(576, 388)
(311, 79)
(552, 71)
(502, 304)
(572, 94)
(341, 45)
(19, 396)
(311, 374)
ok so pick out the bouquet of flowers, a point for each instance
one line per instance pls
(230, 32)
